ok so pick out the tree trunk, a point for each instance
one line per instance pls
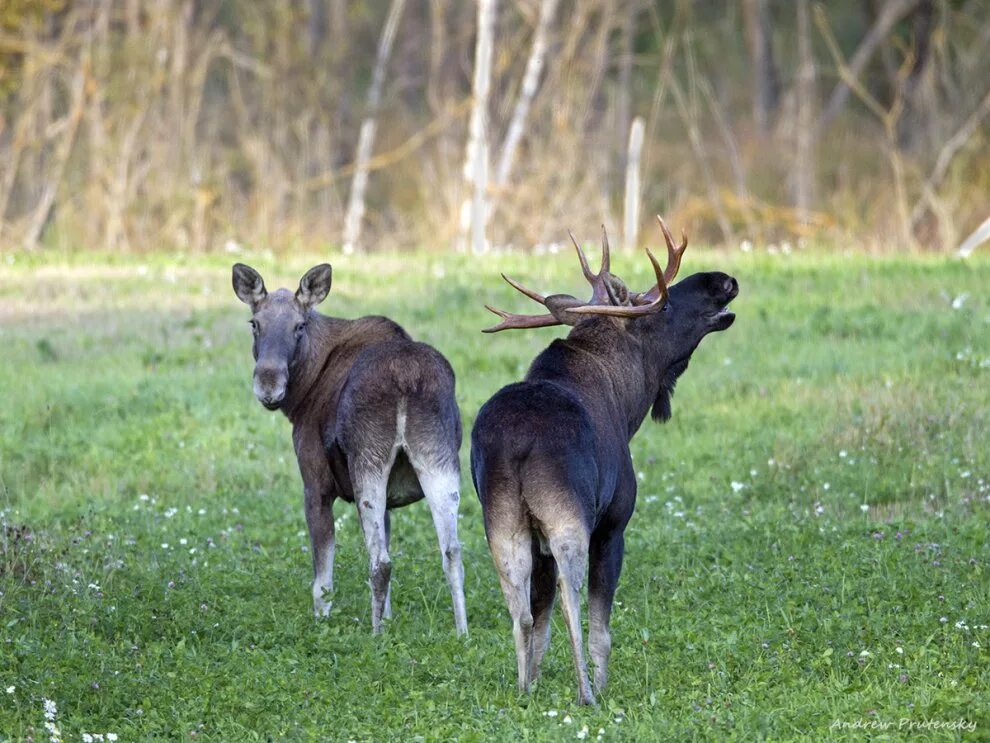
(366, 139)
(474, 212)
(531, 80)
(766, 81)
(804, 89)
(54, 177)
(316, 26)
(630, 224)
(913, 120)
(623, 95)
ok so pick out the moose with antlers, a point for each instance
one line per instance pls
(374, 422)
(550, 455)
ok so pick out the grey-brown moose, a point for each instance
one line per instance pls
(374, 422)
(550, 455)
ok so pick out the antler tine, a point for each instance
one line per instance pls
(655, 305)
(522, 289)
(673, 254)
(606, 259)
(511, 320)
(585, 268)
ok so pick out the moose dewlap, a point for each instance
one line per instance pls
(550, 455)
(374, 422)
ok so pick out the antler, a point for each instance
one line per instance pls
(674, 256)
(601, 292)
(613, 310)
(604, 286)
(511, 320)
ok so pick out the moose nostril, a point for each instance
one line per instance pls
(731, 286)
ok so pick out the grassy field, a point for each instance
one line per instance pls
(809, 549)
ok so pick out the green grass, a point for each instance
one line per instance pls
(810, 542)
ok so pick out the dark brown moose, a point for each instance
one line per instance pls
(374, 422)
(550, 455)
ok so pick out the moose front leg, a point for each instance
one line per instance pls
(605, 564)
(319, 519)
(319, 494)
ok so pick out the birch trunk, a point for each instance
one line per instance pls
(630, 224)
(474, 212)
(366, 138)
(530, 83)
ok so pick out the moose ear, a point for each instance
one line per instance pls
(315, 285)
(558, 304)
(248, 285)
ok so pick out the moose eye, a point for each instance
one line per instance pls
(254, 325)
(300, 328)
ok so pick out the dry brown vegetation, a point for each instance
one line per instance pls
(194, 124)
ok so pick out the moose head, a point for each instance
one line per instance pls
(279, 323)
(671, 320)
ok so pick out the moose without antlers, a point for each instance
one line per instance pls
(374, 422)
(550, 455)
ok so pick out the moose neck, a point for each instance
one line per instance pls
(613, 372)
(315, 356)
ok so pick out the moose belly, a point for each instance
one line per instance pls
(403, 486)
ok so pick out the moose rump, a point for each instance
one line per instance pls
(396, 419)
(395, 442)
(535, 468)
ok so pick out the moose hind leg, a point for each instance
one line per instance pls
(605, 564)
(512, 553)
(442, 491)
(370, 497)
(542, 595)
(387, 612)
(570, 550)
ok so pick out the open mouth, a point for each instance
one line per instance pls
(722, 319)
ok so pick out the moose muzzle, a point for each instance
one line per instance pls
(270, 382)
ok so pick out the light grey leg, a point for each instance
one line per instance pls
(513, 557)
(370, 498)
(442, 491)
(570, 550)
